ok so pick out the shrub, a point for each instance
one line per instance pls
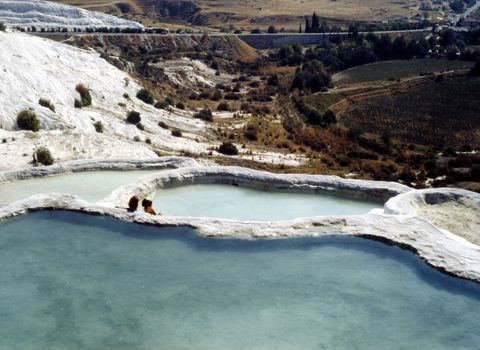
(85, 96)
(228, 149)
(161, 105)
(180, 105)
(145, 96)
(223, 107)
(251, 134)
(176, 133)
(46, 103)
(148, 141)
(27, 120)
(77, 103)
(170, 101)
(3, 27)
(204, 114)
(163, 125)
(98, 125)
(133, 117)
(43, 156)
(136, 139)
(126, 96)
(140, 126)
(273, 80)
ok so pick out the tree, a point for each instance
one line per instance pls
(315, 23)
(271, 30)
(475, 71)
(145, 96)
(273, 80)
(308, 28)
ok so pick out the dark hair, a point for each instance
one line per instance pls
(146, 203)
(133, 204)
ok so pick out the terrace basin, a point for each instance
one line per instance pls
(89, 185)
(73, 281)
(240, 203)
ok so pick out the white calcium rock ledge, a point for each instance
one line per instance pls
(95, 164)
(441, 250)
(397, 224)
(360, 189)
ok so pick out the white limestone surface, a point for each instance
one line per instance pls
(48, 14)
(438, 248)
(361, 189)
(95, 164)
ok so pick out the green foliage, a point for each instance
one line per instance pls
(136, 139)
(312, 76)
(3, 27)
(180, 105)
(273, 80)
(176, 133)
(43, 156)
(148, 141)
(85, 96)
(46, 103)
(98, 125)
(27, 120)
(205, 114)
(145, 96)
(133, 117)
(140, 126)
(163, 125)
(77, 103)
(228, 149)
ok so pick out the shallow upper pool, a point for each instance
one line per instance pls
(70, 281)
(89, 185)
(239, 203)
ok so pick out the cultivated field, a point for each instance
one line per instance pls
(396, 69)
(431, 113)
(251, 13)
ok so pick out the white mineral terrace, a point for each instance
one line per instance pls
(409, 219)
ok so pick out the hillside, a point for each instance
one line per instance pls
(41, 13)
(248, 13)
(34, 68)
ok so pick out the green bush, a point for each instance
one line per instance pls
(86, 98)
(145, 96)
(180, 105)
(46, 103)
(204, 114)
(3, 27)
(43, 156)
(140, 126)
(133, 117)
(228, 149)
(98, 125)
(223, 106)
(162, 105)
(148, 141)
(170, 101)
(77, 103)
(176, 133)
(136, 139)
(163, 125)
(273, 80)
(27, 120)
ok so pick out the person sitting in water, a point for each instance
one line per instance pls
(133, 204)
(147, 206)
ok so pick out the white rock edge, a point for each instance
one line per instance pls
(397, 224)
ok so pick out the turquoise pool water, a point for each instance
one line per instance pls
(70, 281)
(239, 203)
(89, 185)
